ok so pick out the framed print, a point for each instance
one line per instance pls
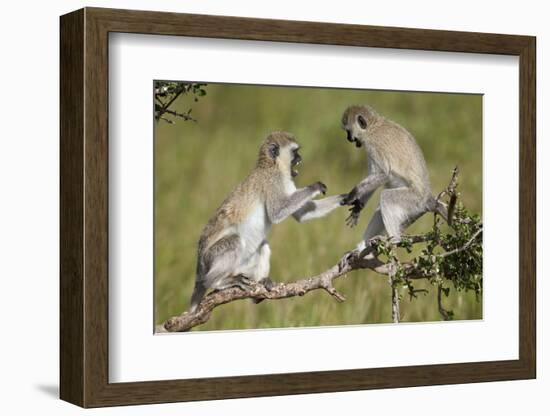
(261, 207)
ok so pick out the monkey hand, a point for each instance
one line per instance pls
(351, 197)
(355, 211)
(319, 187)
(342, 198)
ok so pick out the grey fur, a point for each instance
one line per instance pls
(317, 208)
(279, 209)
(396, 162)
(233, 248)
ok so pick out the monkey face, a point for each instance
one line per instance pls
(355, 121)
(280, 149)
(288, 157)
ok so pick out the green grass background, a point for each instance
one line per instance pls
(198, 164)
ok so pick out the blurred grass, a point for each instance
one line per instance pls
(198, 164)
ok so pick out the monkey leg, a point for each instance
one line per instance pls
(262, 267)
(261, 271)
(400, 207)
(376, 227)
(255, 264)
(252, 269)
(214, 265)
(220, 262)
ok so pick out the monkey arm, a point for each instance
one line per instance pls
(360, 195)
(367, 186)
(277, 211)
(364, 189)
(318, 208)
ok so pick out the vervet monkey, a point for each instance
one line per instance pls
(396, 162)
(233, 248)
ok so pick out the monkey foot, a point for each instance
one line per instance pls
(347, 259)
(395, 240)
(245, 282)
(267, 283)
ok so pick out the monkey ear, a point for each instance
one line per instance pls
(362, 122)
(273, 150)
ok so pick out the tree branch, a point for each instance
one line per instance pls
(354, 260)
(447, 315)
(395, 313)
(167, 92)
(185, 116)
(351, 261)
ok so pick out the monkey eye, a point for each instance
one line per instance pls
(362, 122)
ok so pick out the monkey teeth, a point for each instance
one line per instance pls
(293, 170)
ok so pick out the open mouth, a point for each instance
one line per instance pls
(293, 170)
(355, 140)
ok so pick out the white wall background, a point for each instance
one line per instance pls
(29, 206)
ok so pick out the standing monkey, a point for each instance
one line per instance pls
(396, 162)
(233, 248)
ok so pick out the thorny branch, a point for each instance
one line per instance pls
(369, 258)
(167, 92)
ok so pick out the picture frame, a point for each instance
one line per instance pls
(84, 217)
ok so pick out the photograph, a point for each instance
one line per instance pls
(293, 206)
(260, 203)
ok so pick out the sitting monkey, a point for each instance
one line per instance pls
(233, 248)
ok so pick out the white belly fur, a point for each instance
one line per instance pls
(254, 229)
(253, 232)
(290, 187)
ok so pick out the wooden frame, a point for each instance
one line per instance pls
(84, 207)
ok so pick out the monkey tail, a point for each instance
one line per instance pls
(198, 294)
